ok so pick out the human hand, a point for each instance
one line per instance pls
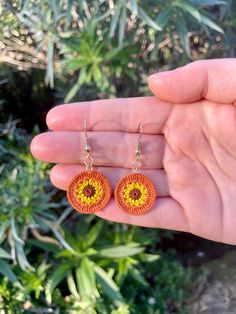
(188, 147)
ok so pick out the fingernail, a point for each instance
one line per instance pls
(159, 75)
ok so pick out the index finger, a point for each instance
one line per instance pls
(121, 114)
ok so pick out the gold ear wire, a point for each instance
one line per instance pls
(89, 191)
(88, 160)
(136, 162)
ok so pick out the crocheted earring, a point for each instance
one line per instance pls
(135, 193)
(89, 191)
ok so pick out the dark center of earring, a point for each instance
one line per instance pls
(89, 190)
(135, 194)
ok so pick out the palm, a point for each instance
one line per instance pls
(188, 150)
(201, 167)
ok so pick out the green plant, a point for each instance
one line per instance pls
(95, 38)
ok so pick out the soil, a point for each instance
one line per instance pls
(216, 292)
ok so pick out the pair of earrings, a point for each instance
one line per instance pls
(90, 191)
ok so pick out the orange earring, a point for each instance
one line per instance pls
(135, 193)
(89, 191)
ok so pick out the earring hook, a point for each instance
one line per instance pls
(88, 160)
(136, 162)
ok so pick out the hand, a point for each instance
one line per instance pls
(188, 147)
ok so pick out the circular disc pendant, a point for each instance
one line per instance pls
(135, 194)
(89, 191)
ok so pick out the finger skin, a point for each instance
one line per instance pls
(61, 175)
(213, 80)
(121, 114)
(166, 213)
(108, 148)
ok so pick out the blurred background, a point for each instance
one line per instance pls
(53, 260)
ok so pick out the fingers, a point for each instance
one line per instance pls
(61, 175)
(114, 149)
(167, 214)
(122, 114)
(213, 80)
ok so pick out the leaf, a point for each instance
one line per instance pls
(111, 54)
(135, 273)
(114, 20)
(189, 9)
(134, 7)
(122, 24)
(97, 75)
(205, 20)
(146, 18)
(58, 275)
(50, 67)
(4, 254)
(72, 286)
(43, 245)
(86, 280)
(62, 240)
(163, 17)
(107, 284)
(150, 258)
(120, 251)
(93, 233)
(73, 91)
(6, 271)
(208, 2)
(76, 64)
(183, 35)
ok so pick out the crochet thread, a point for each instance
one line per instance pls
(89, 192)
(135, 194)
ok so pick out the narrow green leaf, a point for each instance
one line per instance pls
(73, 91)
(183, 35)
(50, 66)
(93, 233)
(107, 284)
(208, 2)
(120, 251)
(146, 18)
(4, 254)
(134, 7)
(189, 9)
(208, 22)
(58, 275)
(115, 20)
(97, 75)
(72, 286)
(85, 275)
(44, 245)
(6, 271)
(163, 17)
(135, 273)
(62, 240)
(75, 64)
(122, 24)
(111, 54)
(150, 258)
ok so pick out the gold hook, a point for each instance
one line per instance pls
(88, 160)
(87, 146)
(136, 163)
(138, 149)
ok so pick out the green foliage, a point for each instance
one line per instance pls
(102, 45)
(54, 260)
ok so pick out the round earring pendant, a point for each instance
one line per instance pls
(135, 194)
(89, 192)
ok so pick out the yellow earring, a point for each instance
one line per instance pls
(89, 191)
(135, 193)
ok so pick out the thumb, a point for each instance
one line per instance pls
(213, 80)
